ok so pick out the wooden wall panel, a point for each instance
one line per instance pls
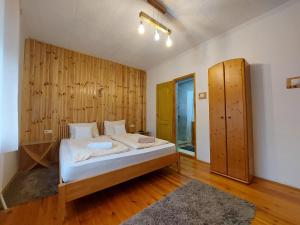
(60, 86)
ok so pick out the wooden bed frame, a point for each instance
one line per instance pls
(73, 190)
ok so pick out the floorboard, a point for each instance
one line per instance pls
(276, 204)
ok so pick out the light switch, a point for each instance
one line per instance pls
(203, 95)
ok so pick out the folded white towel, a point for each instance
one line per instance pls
(146, 140)
(132, 140)
(100, 145)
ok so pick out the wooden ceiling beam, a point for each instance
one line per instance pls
(158, 5)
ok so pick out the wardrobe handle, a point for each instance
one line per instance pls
(222, 117)
(229, 117)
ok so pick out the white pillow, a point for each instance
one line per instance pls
(95, 131)
(119, 129)
(109, 126)
(83, 132)
(108, 129)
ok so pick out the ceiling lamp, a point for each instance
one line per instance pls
(169, 42)
(156, 35)
(157, 25)
(141, 28)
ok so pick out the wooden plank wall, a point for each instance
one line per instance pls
(60, 86)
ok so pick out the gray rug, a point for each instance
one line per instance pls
(34, 184)
(196, 203)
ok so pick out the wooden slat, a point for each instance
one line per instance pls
(60, 86)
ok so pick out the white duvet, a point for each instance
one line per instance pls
(131, 140)
(81, 151)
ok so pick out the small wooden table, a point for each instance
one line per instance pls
(35, 153)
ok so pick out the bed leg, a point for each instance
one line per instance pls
(61, 209)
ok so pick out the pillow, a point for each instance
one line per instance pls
(108, 129)
(95, 131)
(83, 132)
(119, 129)
(109, 126)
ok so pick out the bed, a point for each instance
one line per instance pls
(72, 171)
(78, 179)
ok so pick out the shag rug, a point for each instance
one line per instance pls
(196, 204)
(33, 184)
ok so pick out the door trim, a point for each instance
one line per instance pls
(191, 75)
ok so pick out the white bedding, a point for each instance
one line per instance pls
(71, 170)
(131, 140)
(80, 149)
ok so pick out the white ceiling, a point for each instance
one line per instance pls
(108, 28)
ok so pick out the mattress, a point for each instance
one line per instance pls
(71, 171)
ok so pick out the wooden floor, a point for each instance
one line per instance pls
(276, 204)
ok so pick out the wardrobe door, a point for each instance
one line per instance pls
(218, 155)
(235, 118)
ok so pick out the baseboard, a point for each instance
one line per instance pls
(254, 177)
(277, 183)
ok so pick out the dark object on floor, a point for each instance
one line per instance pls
(33, 184)
(188, 148)
(196, 204)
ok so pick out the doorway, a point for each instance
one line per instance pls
(185, 115)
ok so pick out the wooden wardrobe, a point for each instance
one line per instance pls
(230, 120)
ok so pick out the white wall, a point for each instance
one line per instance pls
(1, 81)
(10, 38)
(271, 44)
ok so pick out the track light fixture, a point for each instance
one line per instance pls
(169, 42)
(158, 27)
